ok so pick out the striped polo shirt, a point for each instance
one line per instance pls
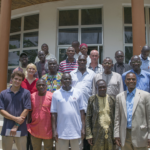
(66, 66)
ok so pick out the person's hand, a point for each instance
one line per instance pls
(20, 119)
(55, 136)
(148, 143)
(118, 141)
(83, 133)
(13, 130)
(90, 141)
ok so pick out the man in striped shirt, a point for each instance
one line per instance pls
(70, 63)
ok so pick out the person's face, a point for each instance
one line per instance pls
(130, 81)
(41, 86)
(94, 56)
(76, 46)
(84, 50)
(107, 64)
(16, 81)
(31, 70)
(102, 88)
(45, 48)
(145, 53)
(70, 52)
(66, 80)
(119, 57)
(41, 56)
(24, 59)
(135, 63)
(82, 62)
(52, 65)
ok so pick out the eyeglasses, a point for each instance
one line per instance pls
(137, 62)
(109, 64)
(31, 68)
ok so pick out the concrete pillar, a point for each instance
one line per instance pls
(4, 41)
(138, 26)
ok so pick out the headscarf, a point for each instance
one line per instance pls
(83, 44)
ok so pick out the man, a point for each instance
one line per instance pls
(120, 67)
(45, 48)
(68, 119)
(101, 109)
(76, 46)
(145, 59)
(132, 117)
(15, 103)
(53, 78)
(82, 79)
(40, 128)
(94, 65)
(112, 79)
(42, 65)
(70, 63)
(143, 77)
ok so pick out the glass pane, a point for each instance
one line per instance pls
(13, 58)
(128, 53)
(67, 36)
(31, 55)
(91, 35)
(91, 16)
(128, 35)
(10, 70)
(90, 48)
(101, 54)
(15, 25)
(14, 41)
(30, 39)
(62, 54)
(68, 17)
(149, 15)
(128, 15)
(31, 22)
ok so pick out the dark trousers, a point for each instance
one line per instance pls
(86, 145)
(29, 145)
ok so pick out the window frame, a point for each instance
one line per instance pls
(79, 27)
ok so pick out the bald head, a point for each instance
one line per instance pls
(136, 63)
(82, 62)
(101, 81)
(94, 55)
(101, 86)
(108, 59)
(41, 56)
(119, 56)
(70, 53)
(145, 52)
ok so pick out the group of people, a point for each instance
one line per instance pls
(78, 103)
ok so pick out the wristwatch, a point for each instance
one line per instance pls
(17, 124)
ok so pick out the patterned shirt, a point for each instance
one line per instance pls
(53, 81)
(129, 103)
(98, 68)
(66, 66)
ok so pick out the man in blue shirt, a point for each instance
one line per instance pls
(143, 77)
(14, 106)
(132, 117)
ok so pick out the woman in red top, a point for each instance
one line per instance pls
(29, 82)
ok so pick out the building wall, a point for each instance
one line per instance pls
(112, 21)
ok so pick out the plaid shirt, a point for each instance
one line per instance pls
(98, 68)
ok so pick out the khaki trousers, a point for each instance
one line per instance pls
(37, 143)
(128, 143)
(7, 142)
(76, 144)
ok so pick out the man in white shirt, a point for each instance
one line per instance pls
(45, 48)
(76, 46)
(68, 119)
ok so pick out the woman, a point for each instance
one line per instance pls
(29, 83)
(84, 50)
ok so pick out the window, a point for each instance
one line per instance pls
(83, 25)
(128, 43)
(23, 38)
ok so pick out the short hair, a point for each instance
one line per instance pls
(101, 80)
(44, 44)
(76, 42)
(18, 73)
(31, 65)
(130, 73)
(41, 79)
(52, 59)
(108, 58)
(70, 47)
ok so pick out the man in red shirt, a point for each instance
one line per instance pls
(40, 128)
